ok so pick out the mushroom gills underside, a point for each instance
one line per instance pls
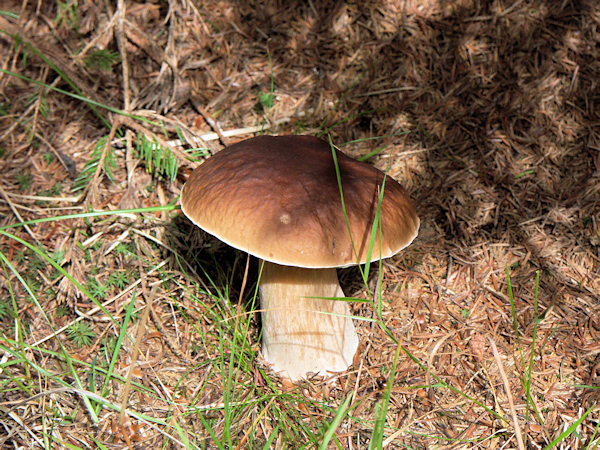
(303, 332)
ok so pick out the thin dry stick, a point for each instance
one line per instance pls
(239, 305)
(98, 37)
(38, 103)
(210, 121)
(16, 213)
(509, 395)
(251, 428)
(235, 132)
(122, 48)
(244, 280)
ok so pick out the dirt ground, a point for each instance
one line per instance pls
(487, 112)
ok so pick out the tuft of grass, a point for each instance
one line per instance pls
(266, 100)
(118, 279)
(526, 379)
(96, 289)
(25, 181)
(81, 334)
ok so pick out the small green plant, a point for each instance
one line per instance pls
(57, 256)
(62, 311)
(118, 279)
(124, 249)
(31, 260)
(33, 282)
(25, 180)
(101, 59)
(109, 164)
(81, 334)
(48, 157)
(267, 100)
(159, 160)
(68, 14)
(2, 152)
(95, 288)
(55, 190)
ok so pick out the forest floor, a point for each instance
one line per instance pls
(122, 325)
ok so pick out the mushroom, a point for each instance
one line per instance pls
(278, 198)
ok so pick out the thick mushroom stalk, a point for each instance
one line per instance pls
(304, 335)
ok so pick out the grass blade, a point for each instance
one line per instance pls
(382, 407)
(339, 416)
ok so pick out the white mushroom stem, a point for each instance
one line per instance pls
(300, 334)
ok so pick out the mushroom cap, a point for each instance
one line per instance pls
(278, 198)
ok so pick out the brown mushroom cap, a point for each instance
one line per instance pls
(278, 198)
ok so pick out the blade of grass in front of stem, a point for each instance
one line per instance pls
(339, 416)
(339, 182)
(271, 438)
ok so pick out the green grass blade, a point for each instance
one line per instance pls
(569, 430)
(118, 344)
(81, 98)
(382, 407)
(339, 416)
(90, 214)
(61, 270)
(272, 437)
